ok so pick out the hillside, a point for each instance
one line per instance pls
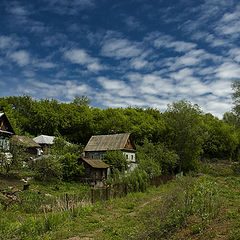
(204, 207)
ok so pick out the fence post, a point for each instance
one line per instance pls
(67, 201)
(92, 197)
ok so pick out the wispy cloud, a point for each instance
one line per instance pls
(63, 90)
(120, 48)
(21, 57)
(132, 23)
(7, 42)
(80, 56)
(69, 7)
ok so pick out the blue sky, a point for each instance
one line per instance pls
(122, 53)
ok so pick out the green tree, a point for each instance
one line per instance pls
(48, 167)
(61, 147)
(71, 169)
(156, 159)
(184, 133)
(116, 159)
(220, 138)
(82, 100)
(236, 97)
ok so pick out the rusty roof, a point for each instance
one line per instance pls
(24, 141)
(107, 142)
(95, 163)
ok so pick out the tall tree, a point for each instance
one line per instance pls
(184, 133)
(236, 97)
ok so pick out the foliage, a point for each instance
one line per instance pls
(231, 119)
(61, 147)
(156, 159)
(188, 197)
(71, 169)
(116, 159)
(48, 167)
(220, 139)
(184, 133)
(236, 97)
(182, 128)
(5, 161)
(136, 181)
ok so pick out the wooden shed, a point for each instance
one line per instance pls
(95, 171)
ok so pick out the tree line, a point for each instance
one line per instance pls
(174, 140)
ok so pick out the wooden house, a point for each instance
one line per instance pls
(6, 132)
(95, 171)
(99, 144)
(27, 144)
(45, 142)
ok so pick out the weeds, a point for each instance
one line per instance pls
(188, 197)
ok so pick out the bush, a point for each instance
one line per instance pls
(70, 167)
(48, 167)
(116, 158)
(156, 159)
(188, 197)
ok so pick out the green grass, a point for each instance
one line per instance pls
(207, 207)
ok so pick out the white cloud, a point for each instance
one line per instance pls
(46, 65)
(61, 90)
(116, 87)
(228, 70)
(7, 42)
(80, 56)
(165, 41)
(234, 53)
(21, 57)
(120, 48)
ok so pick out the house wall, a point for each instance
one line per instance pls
(96, 155)
(130, 156)
(5, 143)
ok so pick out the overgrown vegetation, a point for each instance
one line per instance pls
(182, 138)
(203, 207)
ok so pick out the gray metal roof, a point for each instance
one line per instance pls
(107, 142)
(95, 163)
(44, 139)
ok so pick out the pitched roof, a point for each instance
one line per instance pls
(44, 139)
(9, 127)
(95, 163)
(24, 141)
(107, 142)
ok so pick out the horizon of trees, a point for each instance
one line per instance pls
(183, 129)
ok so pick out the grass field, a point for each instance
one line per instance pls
(205, 207)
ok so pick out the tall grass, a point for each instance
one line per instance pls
(188, 197)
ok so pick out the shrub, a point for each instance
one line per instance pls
(116, 158)
(70, 167)
(48, 167)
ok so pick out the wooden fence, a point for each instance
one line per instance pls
(120, 190)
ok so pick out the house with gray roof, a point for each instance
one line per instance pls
(45, 142)
(30, 147)
(98, 145)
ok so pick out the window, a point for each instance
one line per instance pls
(132, 157)
(126, 156)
